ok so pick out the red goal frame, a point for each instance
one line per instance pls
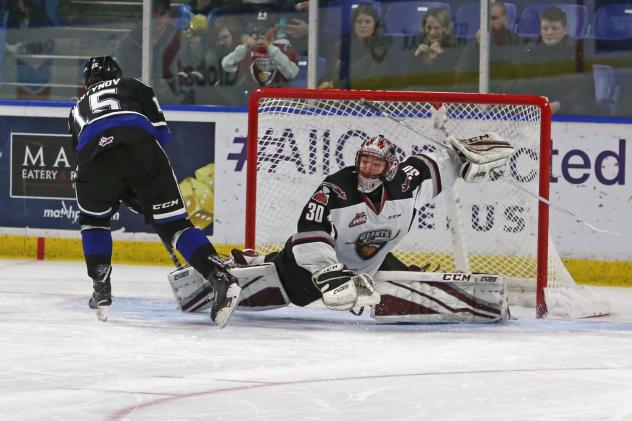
(430, 97)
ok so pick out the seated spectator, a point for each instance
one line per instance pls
(553, 67)
(262, 59)
(432, 65)
(436, 36)
(166, 39)
(362, 53)
(223, 40)
(503, 45)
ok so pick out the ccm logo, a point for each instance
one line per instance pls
(340, 289)
(456, 277)
(181, 275)
(165, 205)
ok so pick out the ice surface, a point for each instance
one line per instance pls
(151, 362)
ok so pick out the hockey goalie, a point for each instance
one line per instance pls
(342, 254)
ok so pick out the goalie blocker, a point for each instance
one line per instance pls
(406, 296)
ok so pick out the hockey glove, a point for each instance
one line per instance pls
(342, 290)
(481, 155)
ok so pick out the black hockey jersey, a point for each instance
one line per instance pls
(115, 111)
(341, 224)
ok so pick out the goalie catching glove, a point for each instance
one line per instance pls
(481, 155)
(343, 290)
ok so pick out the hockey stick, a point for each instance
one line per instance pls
(376, 107)
(172, 254)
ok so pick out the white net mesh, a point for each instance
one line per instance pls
(483, 227)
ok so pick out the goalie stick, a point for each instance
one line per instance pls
(376, 107)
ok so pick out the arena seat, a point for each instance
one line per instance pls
(468, 19)
(606, 89)
(300, 81)
(406, 17)
(613, 22)
(576, 17)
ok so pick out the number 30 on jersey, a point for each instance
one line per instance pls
(314, 212)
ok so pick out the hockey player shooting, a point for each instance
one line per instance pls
(354, 219)
(117, 130)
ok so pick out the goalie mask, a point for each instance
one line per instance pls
(98, 69)
(375, 160)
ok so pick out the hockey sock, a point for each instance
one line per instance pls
(97, 249)
(196, 249)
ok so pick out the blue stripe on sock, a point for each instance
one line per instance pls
(191, 240)
(96, 241)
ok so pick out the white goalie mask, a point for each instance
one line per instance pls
(375, 160)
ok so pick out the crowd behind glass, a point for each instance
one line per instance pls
(214, 52)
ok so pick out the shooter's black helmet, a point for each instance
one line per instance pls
(98, 69)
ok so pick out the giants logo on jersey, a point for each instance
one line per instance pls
(359, 219)
(370, 243)
(321, 196)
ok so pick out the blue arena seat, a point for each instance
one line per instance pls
(405, 17)
(300, 81)
(576, 17)
(606, 89)
(468, 19)
(51, 12)
(613, 22)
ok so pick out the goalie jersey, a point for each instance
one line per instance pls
(339, 224)
(115, 111)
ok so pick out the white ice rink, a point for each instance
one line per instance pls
(151, 362)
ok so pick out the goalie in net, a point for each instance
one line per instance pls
(353, 221)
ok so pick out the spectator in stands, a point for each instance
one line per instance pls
(553, 67)
(367, 48)
(262, 59)
(436, 36)
(503, 45)
(166, 39)
(19, 18)
(204, 7)
(433, 63)
(223, 41)
(191, 59)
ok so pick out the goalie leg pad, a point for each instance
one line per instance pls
(261, 287)
(191, 290)
(441, 297)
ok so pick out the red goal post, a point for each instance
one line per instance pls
(298, 136)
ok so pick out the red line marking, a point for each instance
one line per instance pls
(125, 412)
(41, 247)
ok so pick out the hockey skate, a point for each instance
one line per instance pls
(225, 296)
(246, 257)
(101, 297)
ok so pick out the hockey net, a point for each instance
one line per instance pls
(297, 137)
